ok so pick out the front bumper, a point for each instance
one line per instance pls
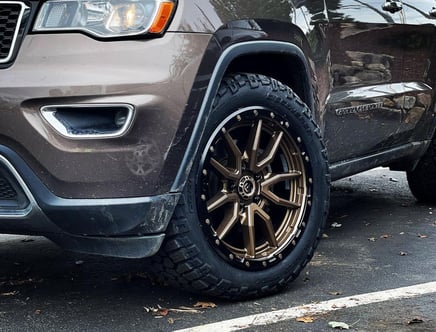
(123, 227)
(111, 195)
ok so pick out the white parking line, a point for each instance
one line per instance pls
(315, 308)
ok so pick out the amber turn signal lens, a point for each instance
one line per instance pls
(162, 18)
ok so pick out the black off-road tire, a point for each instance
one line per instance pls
(193, 256)
(422, 180)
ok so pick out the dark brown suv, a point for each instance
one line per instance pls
(205, 133)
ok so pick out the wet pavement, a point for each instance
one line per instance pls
(378, 238)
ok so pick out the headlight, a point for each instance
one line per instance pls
(106, 18)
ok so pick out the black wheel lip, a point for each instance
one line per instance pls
(222, 251)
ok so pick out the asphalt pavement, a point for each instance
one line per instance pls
(379, 238)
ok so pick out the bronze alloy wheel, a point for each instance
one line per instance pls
(255, 188)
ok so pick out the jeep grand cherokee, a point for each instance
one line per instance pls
(205, 133)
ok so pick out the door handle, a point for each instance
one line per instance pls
(392, 6)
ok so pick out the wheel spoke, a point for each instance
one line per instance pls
(270, 151)
(270, 233)
(220, 199)
(267, 193)
(248, 224)
(230, 219)
(236, 152)
(248, 231)
(253, 146)
(228, 173)
(224, 171)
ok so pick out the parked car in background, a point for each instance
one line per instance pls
(205, 133)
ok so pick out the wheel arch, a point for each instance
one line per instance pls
(285, 67)
(246, 56)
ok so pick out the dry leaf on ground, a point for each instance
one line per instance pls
(339, 325)
(204, 305)
(162, 312)
(306, 319)
(335, 293)
(9, 293)
(415, 320)
(21, 282)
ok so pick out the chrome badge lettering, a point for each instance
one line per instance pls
(358, 109)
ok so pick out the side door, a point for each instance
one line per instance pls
(419, 68)
(364, 110)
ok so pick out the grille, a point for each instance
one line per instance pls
(11, 14)
(12, 197)
(6, 190)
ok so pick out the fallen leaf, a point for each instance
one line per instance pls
(415, 320)
(403, 253)
(336, 225)
(171, 320)
(79, 262)
(385, 236)
(325, 236)
(371, 239)
(334, 306)
(9, 293)
(339, 325)
(335, 293)
(21, 282)
(162, 312)
(422, 236)
(150, 309)
(373, 190)
(204, 305)
(306, 319)
(38, 312)
(188, 310)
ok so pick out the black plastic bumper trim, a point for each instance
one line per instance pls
(136, 216)
(124, 247)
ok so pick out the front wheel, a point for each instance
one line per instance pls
(256, 199)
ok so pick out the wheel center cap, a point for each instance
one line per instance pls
(247, 187)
